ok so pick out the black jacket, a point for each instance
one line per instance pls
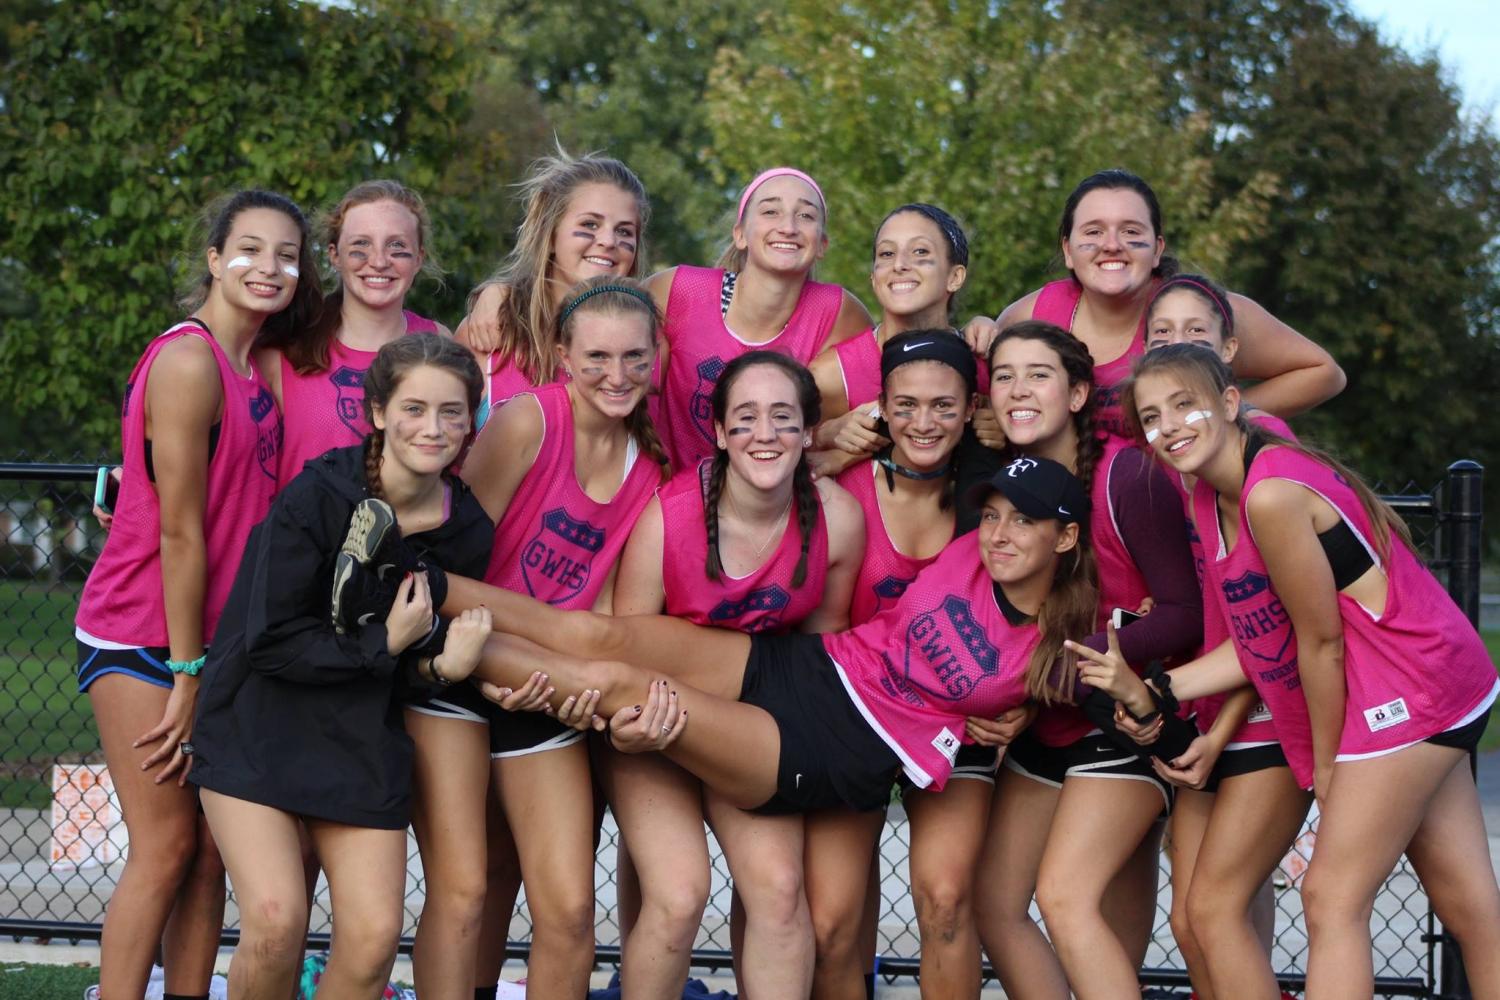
(290, 713)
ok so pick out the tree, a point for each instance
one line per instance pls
(119, 123)
(992, 110)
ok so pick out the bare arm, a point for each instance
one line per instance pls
(828, 373)
(846, 550)
(504, 452)
(638, 589)
(1295, 374)
(852, 320)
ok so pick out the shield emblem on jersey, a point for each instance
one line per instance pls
(267, 439)
(769, 603)
(350, 402)
(701, 405)
(556, 561)
(1259, 622)
(889, 591)
(952, 642)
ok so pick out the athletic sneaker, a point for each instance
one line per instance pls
(369, 526)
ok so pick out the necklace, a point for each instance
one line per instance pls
(891, 465)
(778, 523)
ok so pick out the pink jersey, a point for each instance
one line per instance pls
(1257, 729)
(859, 363)
(1414, 671)
(122, 600)
(555, 542)
(763, 601)
(325, 410)
(886, 572)
(945, 651)
(1057, 303)
(1120, 586)
(702, 345)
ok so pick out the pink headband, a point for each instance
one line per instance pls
(1177, 281)
(766, 175)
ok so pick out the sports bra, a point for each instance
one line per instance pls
(1346, 555)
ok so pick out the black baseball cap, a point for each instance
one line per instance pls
(1039, 487)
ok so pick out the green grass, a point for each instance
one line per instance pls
(46, 982)
(42, 715)
(1491, 740)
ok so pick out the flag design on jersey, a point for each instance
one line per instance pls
(268, 438)
(1262, 628)
(949, 646)
(767, 602)
(350, 405)
(889, 590)
(701, 406)
(556, 561)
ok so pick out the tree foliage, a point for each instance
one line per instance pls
(121, 121)
(991, 110)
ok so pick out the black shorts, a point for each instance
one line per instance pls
(830, 756)
(1093, 756)
(1244, 760)
(973, 763)
(1464, 737)
(512, 734)
(144, 663)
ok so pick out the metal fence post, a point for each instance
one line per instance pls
(1463, 517)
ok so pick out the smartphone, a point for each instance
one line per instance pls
(106, 490)
(1121, 617)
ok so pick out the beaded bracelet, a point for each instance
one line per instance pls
(189, 667)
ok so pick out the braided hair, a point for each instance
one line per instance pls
(804, 492)
(1078, 363)
(390, 368)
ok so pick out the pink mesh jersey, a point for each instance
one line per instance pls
(886, 572)
(1057, 303)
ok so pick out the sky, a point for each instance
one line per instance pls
(1466, 34)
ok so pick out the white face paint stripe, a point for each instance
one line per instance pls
(1152, 435)
(291, 270)
(1197, 415)
(240, 261)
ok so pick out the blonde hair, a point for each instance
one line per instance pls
(527, 316)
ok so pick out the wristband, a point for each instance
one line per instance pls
(1161, 688)
(431, 671)
(188, 667)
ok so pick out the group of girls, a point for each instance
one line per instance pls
(781, 558)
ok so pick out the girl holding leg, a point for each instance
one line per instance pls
(1340, 629)
(300, 721)
(199, 435)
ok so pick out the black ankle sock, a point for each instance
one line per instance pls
(870, 985)
(184, 996)
(485, 992)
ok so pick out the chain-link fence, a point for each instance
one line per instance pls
(62, 840)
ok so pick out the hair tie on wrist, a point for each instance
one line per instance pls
(188, 667)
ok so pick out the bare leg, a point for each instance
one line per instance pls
(451, 775)
(1019, 823)
(1185, 835)
(162, 820)
(261, 849)
(659, 808)
(839, 846)
(765, 858)
(366, 885)
(1255, 819)
(190, 946)
(548, 804)
(1099, 824)
(947, 834)
(733, 747)
(502, 881)
(1130, 901)
(1422, 796)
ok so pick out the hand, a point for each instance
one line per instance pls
(1193, 768)
(1108, 672)
(987, 427)
(856, 432)
(579, 711)
(1144, 733)
(104, 517)
(1147, 603)
(480, 330)
(1003, 729)
(174, 729)
(410, 619)
(463, 644)
(979, 332)
(655, 725)
(529, 697)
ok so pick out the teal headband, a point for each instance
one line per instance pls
(635, 293)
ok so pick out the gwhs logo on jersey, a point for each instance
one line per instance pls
(350, 404)
(701, 405)
(1261, 625)
(889, 590)
(267, 438)
(763, 607)
(555, 562)
(949, 645)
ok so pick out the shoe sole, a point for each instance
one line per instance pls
(371, 521)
